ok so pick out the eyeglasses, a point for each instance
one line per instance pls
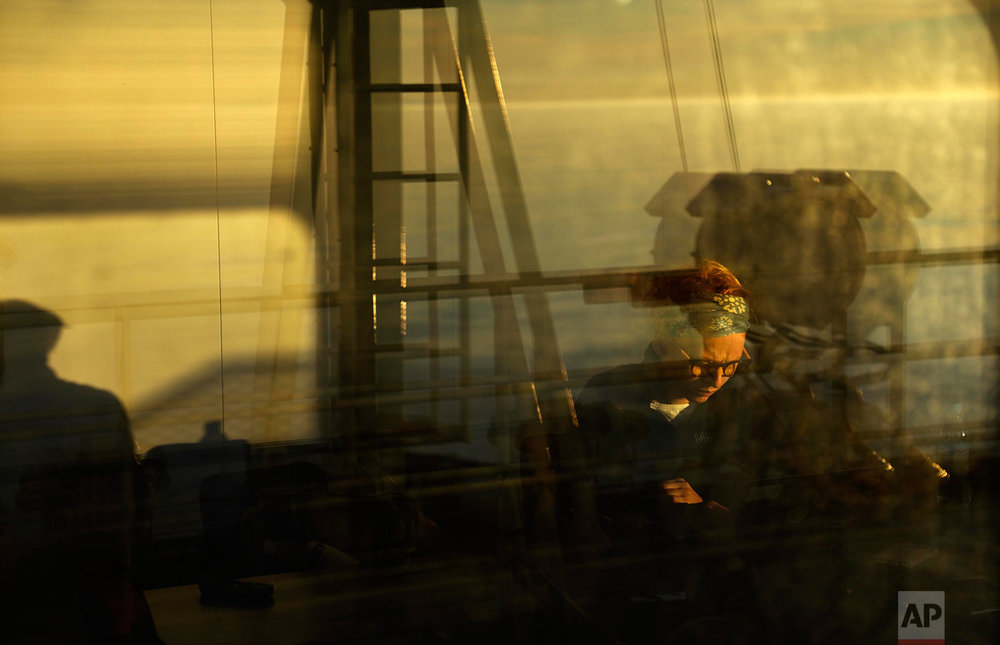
(700, 367)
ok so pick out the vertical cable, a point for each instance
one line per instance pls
(431, 31)
(720, 77)
(218, 218)
(662, 23)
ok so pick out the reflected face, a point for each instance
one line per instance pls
(724, 349)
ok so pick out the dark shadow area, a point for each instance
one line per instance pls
(124, 196)
(72, 497)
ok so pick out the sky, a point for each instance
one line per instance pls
(606, 48)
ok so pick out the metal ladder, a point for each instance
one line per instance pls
(374, 276)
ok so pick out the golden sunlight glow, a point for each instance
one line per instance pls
(141, 158)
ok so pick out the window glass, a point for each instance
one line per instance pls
(501, 320)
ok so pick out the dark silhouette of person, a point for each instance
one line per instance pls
(68, 491)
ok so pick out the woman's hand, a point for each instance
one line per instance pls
(680, 492)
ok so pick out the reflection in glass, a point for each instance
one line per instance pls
(388, 334)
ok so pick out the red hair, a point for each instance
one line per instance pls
(713, 278)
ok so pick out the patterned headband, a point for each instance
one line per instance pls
(712, 316)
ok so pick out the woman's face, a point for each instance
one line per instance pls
(723, 349)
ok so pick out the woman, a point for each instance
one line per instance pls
(653, 436)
